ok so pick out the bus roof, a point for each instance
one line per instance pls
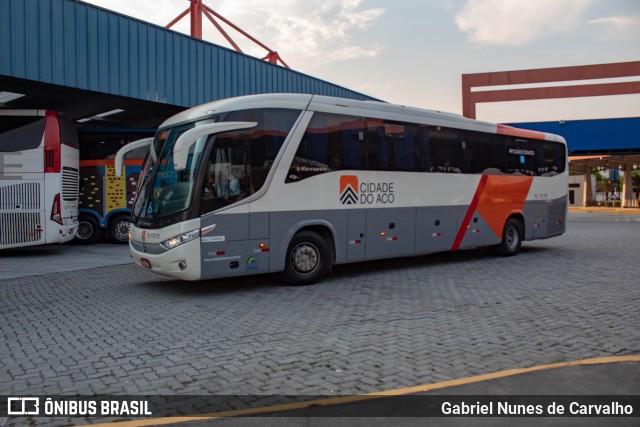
(374, 109)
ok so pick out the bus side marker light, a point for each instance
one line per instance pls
(208, 229)
(436, 234)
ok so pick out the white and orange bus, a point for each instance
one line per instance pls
(38, 178)
(296, 183)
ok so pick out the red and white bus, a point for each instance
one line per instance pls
(295, 183)
(38, 178)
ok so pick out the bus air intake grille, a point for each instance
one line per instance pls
(70, 178)
(21, 227)
(23, 196)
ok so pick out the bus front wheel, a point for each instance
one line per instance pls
(511, 238)
(308, 259)
(119, 229)
(88, 231)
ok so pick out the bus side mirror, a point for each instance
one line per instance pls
(187, 139)
(130, 147)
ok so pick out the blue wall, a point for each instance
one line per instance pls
(74, 44)
(601, 135)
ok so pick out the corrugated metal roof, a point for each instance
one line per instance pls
(74, 44)
(600, 135)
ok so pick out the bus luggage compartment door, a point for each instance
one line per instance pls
(356, 231)
(390, 232)
(436, 229)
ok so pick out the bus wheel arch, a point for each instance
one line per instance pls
(513, 235)
(310, 255)
(119, 228)
(88, 231)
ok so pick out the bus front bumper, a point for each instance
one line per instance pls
(182, 262)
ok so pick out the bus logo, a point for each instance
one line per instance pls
(348, 189)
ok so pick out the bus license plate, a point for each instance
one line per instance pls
(145, 263)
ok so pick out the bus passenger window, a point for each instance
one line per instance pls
(522, 158)
(553, 159)
(393, 146)
(486, 153)
(445, 151)
(331, 142)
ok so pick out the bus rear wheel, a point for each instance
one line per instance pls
(308, 259)
(511, 238)
(88, 231)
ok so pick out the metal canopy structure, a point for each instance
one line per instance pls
(197, 9)
(612, 143)
(595, 136)
(588, 163)
(108, 69)
(471, 97)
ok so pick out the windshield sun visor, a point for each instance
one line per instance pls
(188, 138)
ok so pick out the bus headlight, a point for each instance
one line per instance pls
(180, 239)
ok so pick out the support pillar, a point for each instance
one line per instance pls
(586, 188)
(627, 187)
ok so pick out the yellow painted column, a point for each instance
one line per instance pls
(116, 189)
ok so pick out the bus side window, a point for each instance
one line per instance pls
(445, 150)
(393, 146)
(553, 159)
(485, 153)
(331, 142)
(522, 157)
(18, 133)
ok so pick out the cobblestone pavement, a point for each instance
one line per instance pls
(373, 326)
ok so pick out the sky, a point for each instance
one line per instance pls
(413, 52)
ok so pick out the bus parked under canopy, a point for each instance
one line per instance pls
(38, 178)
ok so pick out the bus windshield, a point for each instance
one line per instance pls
(165, 191)
(221, 169)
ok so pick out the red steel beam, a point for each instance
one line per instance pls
(196, 18)
(546, 75)
(197, 9)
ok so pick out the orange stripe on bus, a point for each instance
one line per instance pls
(496, 198)
(524, 133)
(501, 197)
(472, 208)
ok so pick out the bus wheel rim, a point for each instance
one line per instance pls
(305, 258)
(512, 238)
(85, 230)
(122, 230)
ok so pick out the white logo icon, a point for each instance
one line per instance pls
(23, 406)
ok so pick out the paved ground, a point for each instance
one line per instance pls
(49, 259)
(373, 326)
(610, 382)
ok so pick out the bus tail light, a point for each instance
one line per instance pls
(56, 212)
